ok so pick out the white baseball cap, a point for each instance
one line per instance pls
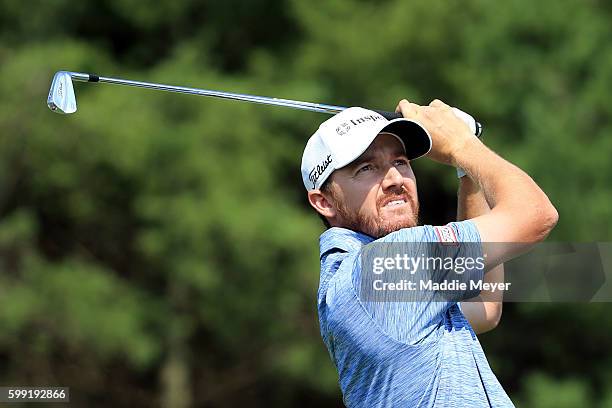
(345, 136)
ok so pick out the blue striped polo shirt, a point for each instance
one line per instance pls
(400, 354)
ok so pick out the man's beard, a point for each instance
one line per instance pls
(376, 226)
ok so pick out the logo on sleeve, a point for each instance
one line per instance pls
(446, 235)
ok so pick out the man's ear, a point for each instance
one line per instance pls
(320, 203)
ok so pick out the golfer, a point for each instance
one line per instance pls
(356, 169)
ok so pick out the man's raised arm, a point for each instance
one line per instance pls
(520, 211)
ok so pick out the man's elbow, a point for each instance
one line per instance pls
(545, 219)
(492, 317)
(534, 220)
(496, 318)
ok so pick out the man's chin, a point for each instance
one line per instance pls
(388, 226)
(378, 228)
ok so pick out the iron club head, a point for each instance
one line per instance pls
(61, 97)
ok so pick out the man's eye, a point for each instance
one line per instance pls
(401, 162)
(367, 167)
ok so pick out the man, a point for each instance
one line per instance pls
(357, 171)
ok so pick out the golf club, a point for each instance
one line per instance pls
(62, 99)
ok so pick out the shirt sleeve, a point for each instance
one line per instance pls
(411, 315)
(466, 253)
(466, 231)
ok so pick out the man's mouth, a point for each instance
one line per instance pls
(394, 202)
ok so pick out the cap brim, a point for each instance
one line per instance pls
(415, 137)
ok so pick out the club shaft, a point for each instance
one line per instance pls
(309, 106)
(474, 125)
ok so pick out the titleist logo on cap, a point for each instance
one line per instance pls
(316, 172)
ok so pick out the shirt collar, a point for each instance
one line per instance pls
(342, 238)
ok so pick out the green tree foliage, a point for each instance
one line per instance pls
(157, 249)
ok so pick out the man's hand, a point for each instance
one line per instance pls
(448, 133)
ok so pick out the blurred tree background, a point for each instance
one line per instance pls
(158, 250)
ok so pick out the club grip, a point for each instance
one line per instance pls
(472, 123)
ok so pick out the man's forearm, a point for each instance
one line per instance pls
(498, 179)
(509, 192)
(485, 310)
(471, 202)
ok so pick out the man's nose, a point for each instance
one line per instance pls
(393, 179)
